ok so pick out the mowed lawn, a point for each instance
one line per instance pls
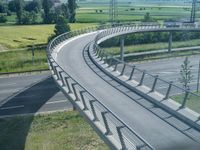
(57, 131)
(13, 37)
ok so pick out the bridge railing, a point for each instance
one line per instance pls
(96, 111)
(166, 89)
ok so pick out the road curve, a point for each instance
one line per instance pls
(160, 134)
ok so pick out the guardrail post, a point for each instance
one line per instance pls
(132, 72)
(93, 110)
(108, 132)
(154, 84)
(57, 74)
(168, 91)
(75, 93)
(110, 62)
(100, 51)
(63, 82)
(142, 78)
(121, 137)
(115, 68)
(123, 69)
(83, 100)
(185, 99)
(102, 55)
(66, 80)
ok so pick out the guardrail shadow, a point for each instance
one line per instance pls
(29, 101)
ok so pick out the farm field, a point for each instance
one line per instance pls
(14, 36)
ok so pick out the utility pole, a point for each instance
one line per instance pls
(193, 11)
(113, 10)
(198, 80)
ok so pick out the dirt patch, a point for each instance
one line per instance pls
(3, 48)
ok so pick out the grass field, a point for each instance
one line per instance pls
(58, 131)
(16, 61)
(193, 101)
(154, 46)
(23, 36)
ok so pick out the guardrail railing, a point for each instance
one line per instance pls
(167, 90)
(126, 137)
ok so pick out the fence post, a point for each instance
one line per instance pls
(70, 91)
(108, 132)
(142, 78)
(75, 93)
(115, 68)
(185, 99)
(154, 84)
(63, 82)
(83, 100)
(123, 69)
(168, 91)
(93, 110)
(121, 137)
(110, 62)
(131, 75)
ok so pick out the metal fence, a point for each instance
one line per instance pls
(126, 137)
(167, 90)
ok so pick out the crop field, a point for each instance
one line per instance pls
(94, 12)
(13, 37)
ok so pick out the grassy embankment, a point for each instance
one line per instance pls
(193, 102)
(61, 131)
(19, 37)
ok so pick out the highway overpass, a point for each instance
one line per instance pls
(125, 117)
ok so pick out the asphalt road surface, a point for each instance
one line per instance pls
(159, 128)
(166, 69)
(30, 94)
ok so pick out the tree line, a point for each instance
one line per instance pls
(152, 37)
(28, 12)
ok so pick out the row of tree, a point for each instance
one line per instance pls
(27, 12)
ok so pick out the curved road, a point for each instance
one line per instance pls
(159, 133)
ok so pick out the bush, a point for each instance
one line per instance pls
(3, 19)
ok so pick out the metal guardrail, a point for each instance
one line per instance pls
(155, 83)
(122, 133)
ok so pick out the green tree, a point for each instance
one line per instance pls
(19, 10)
(12, 6)
(61, 26)
(34, 5)
(147, 18)
(47, 6)
(72, 10)
(186, 74)
(2, 19)
(3, 7)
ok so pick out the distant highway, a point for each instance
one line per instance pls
(30, 94)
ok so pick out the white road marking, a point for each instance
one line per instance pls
(54, 102)
(8, 84)
(12, 107)
(166, 72)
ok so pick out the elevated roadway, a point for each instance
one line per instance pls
(146, 121)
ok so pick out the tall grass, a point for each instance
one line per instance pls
(16, 61)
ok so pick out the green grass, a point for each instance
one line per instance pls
(193, 101)
(154, 46)
(57, 131)
(17, 61)
(23, 36)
